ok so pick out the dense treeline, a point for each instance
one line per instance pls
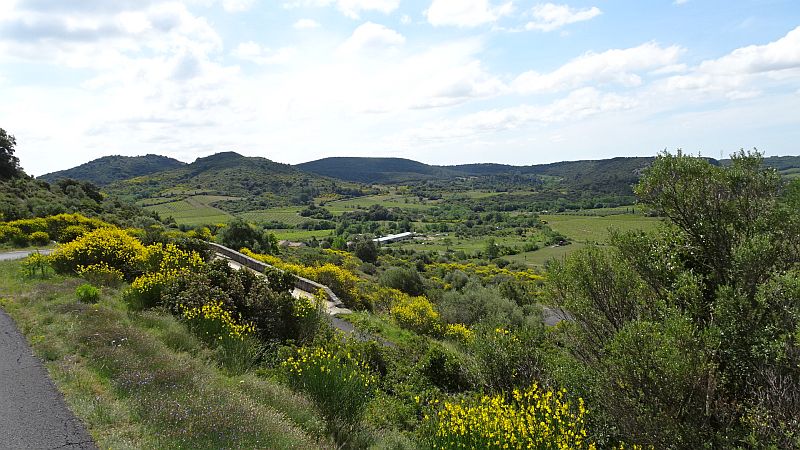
(22, 197)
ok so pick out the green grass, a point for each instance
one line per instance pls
(142, 380)
(193, 211)
(301, 235)
(288, 215)
(540, 257)
(387, 200)
(596, 228)
(380, 326)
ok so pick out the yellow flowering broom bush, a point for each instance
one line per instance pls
(236, 346)
(102, 274)
(532, 418)
(212, 322)
(165, 263)
(111, 246)
(459, 333)
(416, 314)
(340, 385)
(340, 280)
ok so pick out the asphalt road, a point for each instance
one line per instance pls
(33, 414)
(8, 256)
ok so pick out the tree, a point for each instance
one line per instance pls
(9, 164)
(365, 249)
(406, 280)
(691, 332)
(239, 234)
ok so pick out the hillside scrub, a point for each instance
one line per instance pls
(689, 335)
(142, 380)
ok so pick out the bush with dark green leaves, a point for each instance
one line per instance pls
(690, 334)
(402, 279)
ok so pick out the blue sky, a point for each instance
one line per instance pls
(439, 81)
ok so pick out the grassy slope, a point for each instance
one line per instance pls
(583, 230)
(141, 380)
(193, 211)
(597, 228)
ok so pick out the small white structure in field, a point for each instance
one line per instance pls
(394, 238)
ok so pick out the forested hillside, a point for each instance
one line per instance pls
(245, 183)
(109, 169)
(23, 197)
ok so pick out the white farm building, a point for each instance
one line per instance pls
(394, 238)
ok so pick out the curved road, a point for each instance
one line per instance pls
(33, 414)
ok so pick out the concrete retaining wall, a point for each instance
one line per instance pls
(304, 284)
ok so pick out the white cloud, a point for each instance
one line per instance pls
(237, 5)
(405, 19)
(256, 53)
(549, 16)
(306, 24)
(680, 2)
(617, 66)
(350, 8)
(465, 13)
(371, 37)
(576, 106)
(733, 74)
(778, 55)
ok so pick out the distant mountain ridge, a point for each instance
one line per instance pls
(399, 170)
(244, 183)
(375, 170)
(234, 175)
(109, 169)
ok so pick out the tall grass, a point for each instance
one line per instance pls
(140, 380)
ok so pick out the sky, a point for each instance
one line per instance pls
(438, 81)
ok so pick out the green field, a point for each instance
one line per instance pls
(386, 200)
(301, 235)
(590, 229)
(287, 214)
(540, 257)
(193, 211)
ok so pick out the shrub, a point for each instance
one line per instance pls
(111, 246)
(36, 263)
(446, 370)
(341, 281)
(39, 238)
(169, 257)
(340, 386)
(145, 291)
(533, 418)
(68, 227)
(416, 314)
(459, 333)
(406, 280)
(506, 359)
(102, 274)
(87, 293)
(211, 322)
(71, 233)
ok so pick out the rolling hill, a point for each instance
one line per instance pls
(230, 183)
(376, 170)
(109, 169)
(607, 175)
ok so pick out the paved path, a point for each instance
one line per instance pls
(19, 254)
(33, 414)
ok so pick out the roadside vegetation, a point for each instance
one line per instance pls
(680, 330)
